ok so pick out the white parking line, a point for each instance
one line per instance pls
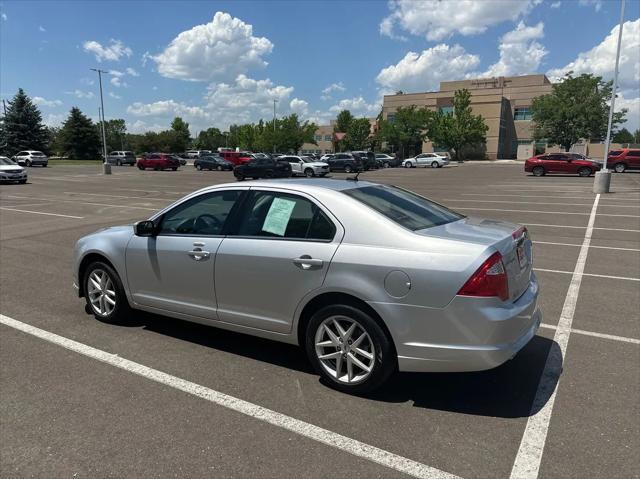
(535, 203)
(581, 227)
(324, 436)
(544, 212)
(596, 335)
(590, 246)
(93, 204)
(119, 196)
(41, 213)
(625, 278)
(527, 462)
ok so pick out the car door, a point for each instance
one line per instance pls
(554, 163)
(296, 163)
(174, 270)
(633, 159)
(280, 252)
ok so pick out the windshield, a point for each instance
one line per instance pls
(403, 207)
(306, 159)
(6, 162)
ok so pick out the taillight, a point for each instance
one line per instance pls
(490, 279)
(522, 231)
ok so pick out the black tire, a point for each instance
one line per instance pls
(219, 168)
(27, 163)
(268, 174)
(385, 363)
(140, 167)
(584, 171)
(198, 167)
(309, 173)
(174, 169)
(122, 311)
(619, 167)
(44, 165)
(348, 169)
(538, 171)
(386, 164)
(22, 182)
(408, 164)
(434, 164)
(239, 176)
(118, 163)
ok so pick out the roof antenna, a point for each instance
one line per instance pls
(354, 178)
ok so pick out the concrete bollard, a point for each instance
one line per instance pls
(106, 168)
(602, 182)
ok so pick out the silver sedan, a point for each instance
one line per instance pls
(367, 278)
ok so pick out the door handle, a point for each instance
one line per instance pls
(307, 262)
(198, 255)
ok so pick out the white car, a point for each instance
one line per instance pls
(434, 160)
(11, 171)
(303, 165)
(31, 158)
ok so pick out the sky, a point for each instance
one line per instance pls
(219, 63)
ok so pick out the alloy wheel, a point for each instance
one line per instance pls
(345, 350)
(102, 292)
(620, 167)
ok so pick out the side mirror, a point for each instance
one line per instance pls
(144, 228)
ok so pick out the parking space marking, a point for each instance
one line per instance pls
(530, 203)
(545, 212)
(91, 204)
(582, 227)
(626, 278)
(590, 246)
(41, 213)
(529, 457)
(321, 435)
(119, 196)
(596, 335)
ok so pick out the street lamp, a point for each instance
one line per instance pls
(274, 124)
(106, 167)
(602, 181)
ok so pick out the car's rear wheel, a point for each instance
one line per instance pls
(349, 349)
(118, 163)
(309, 173)
(408, 164)
(386, 164)
(538, 171)
(620, 167)
(219, 168)
(27, 163)
(434, 164)
(348, 169)
(174, 168)
(104, 293)
(584, 171)
(140, 167)
(239, 176)
(198, 167)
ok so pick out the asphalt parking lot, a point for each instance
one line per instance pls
(65, 413)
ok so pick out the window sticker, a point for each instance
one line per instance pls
(278, 216)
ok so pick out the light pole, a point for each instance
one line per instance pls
(602, 181)
(106, 167)
(274, 125)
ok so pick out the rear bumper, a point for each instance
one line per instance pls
(469, 334)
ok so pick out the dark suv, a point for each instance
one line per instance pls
(624, 159)
(262, 168)
(368, 159)
(346, 162)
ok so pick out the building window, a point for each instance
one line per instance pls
(391, 118)
(327, 137)
(447, 110)
(318, 137)
(522, 113)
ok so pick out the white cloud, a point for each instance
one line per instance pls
(54, 119)
(357, 106)
(555, 4)
(520, 54)
(130, 71)
(300, 107)
(42, 29)
(140, 126)
(114, 96)
(81, 94)
(334, 87)
(424, 71)
(166, 108)
(436, 19)
(117, 78)
(217, 51)
(600, 60)
(38, 100)
(597, 4)
(113, 52)
(633, 113)
(4, 16)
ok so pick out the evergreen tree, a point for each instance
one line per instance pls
(22, 127)
(180, 138)
(623, 136)
(78, 137)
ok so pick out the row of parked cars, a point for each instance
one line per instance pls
(574, 163)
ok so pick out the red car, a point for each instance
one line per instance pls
(236, 157)
(158, 161)
(563, 163)
(624, 159)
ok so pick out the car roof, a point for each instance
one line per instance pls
(306, 184)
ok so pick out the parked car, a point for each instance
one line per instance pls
(345, 162)
(11, 172)
(263, 168)
(304, 165)
(193, 154)
(368, 159)
(295, 261)
(119, 158)
(31, 158)
(236, 157)
(212, 162)
(158, 161)
(326, 157)
(433, 160)
(624, 159)
(564, 163)
(387, 161)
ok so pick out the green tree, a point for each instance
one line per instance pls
(406, 132)
(210, 139)
(578, 107)
(636, 136)
(21, 127)
(79, 138)
(623, 136)
(460, 130)
(116, 133)
(342, 124)
(358, 134)
(179, 139)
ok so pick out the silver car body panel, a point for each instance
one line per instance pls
(410, 279)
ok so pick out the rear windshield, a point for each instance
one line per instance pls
(405, 208)
(128, 153)
(37, 153)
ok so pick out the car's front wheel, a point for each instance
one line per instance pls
(309, 173)
(408, 164)
(27, 163)
(198, 167)
(349, 349)
(104, 293)
(118, 163)
(348, 169)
